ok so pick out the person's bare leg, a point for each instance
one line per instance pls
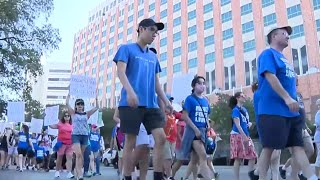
(210, 164)
(159, 139)
(92, 163)
(295, 169)
(69, 162)
(141, 156)
(2, 157)
(275, 163)
(128, 154)
(264, 163)
(201, 152)
(301, 158)
(236, 169)
(79, 160)
(176, 166)
(59, 163)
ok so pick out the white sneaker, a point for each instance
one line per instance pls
(57, 174)
(70, 175)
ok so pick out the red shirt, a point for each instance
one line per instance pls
(64, 133)
(171, 129)
(181, 124)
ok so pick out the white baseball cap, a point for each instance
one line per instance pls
(287, 28)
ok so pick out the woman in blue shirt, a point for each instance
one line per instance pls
(241, 145)
(23, 145)
(195, 113)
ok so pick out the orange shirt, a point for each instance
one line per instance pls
(171, 128)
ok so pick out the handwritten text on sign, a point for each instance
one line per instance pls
(16, 111)
(52, 114)
(83, 86)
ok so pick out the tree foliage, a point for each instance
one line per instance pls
(25, 36)
(33, 107)
(107, 117)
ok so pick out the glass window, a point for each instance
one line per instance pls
(177, 21)
(94, 60)
(163, 1)
(96, 37)
(102, 56)
(120, 35)
(227, 34)
(294, 11)
(249, 46)
(110, 52)
(192, 46)
(93, 71)
(129, 31)
(120, 25)
(247, 27)
(176, 68)
(297, 31)
(140, 13)
(163, 14)
(192, 30)
(108, 89)
(316, 4)
(82, 46)
(266, 3)
(226, 78)
(104, 33)
(176, 36)
(192, 15)
(192, 63)
(270, 19)
(225, 2)
(318, 24)
(228, 52)
(209, 40)
(163, 42)
(177, 7)
(225, 17)
(151, 7)
(176, 51)
(111, 40)
(163, 56)
(246, 9)
(103, 44)
(208, 24)
(109, 76)
(163, 72)
(208, 8)
(210, 57)
(111, 29)
(130, 18)
(191, 2)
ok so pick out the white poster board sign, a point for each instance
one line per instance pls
(53, 132)
(83, 86)
(100, 120)
(36, 125)
(15, 111)
(94, 118)
(52, 114)
(181, 87)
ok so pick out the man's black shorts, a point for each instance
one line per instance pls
(278, 132)
(131, 118)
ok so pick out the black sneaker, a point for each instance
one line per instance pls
(283, 173)
(301, 177)
(252, 176)
(216, 175)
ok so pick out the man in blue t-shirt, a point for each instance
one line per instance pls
(138, 70)
(278, 110)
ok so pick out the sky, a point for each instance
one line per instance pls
(69, 16)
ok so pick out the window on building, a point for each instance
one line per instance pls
(102, 56)
(177, 21)
(163, 1)
(192, 15)
(93, 71)
(266, 3)
(208, 24)
(192, 30)
(176, 67)
(210, 57)
(176, 36)
(111, 29)
(233, 76)
(249, 46)
(176, 51)
(163, 56)
(227, 34)
(163, 72)
(108, 89)
(209, 40)
(129, 31)
(163, 14)
(192, 46)
(130, 18)
(226, 78)
(140, 13)
(294, 11)
(152, 7)
(120, 35)
(103, 44)
(225, 17)
(228, 52)
(192, 63)
(190, 2)
(316, 4)
(163, 42)
(177, 7)
(104, 33)
(318, 24)
(270, 19)
(208, 8)
(225, 2)
(111, 40)
(247, 27)
(94, 59)
(246, 9)
(120, 25)
(297, 31)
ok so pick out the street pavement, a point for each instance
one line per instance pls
(109, 173)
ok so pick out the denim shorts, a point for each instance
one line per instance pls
(80, 139)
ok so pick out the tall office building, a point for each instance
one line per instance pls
(52, 86)
(219, 39)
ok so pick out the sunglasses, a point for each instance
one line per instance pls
(80, 104)
(66, 115)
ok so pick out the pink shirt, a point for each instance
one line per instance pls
(64, 133)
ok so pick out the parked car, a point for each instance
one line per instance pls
(108, 157)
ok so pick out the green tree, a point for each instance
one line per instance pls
(33, 107)
(25, 36)
(106, 130)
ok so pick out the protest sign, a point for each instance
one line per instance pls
(36, 125)
(83, 86)
(52, 114)
(181, 87)
(53, 132)
(100, 120)
(15, 111)
(93, 118)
